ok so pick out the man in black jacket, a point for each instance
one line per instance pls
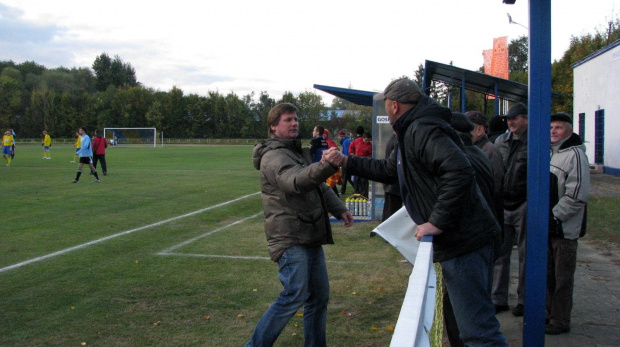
(438, 187)
(513, 148)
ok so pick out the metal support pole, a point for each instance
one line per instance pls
(538, 172)
(497, 111)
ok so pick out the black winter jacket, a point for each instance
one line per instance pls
(439, 182)
(514, 153)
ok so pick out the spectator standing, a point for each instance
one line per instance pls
(497, 126)
(296, 202)
(512, 146)
(46, 143)
(330, 142)
(439, 189)
(86, 156)
(345, 142)
(464, 127)
(569, 188)
(481, 140)
(318, 143)
(99, 146)
(363, 149)
(334, 179)
(359, 133)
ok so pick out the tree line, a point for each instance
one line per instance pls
(34, 98)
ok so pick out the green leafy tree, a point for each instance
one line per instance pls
(113, 72)
(258, 115)
(418, 77)
(312, 112)
(173, 107)
(580, 47)
(41, 114)
(196, 116)
(11, 91)
(288, 97)
(518, 55)
(155, 115)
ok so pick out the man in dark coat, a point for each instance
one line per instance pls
(438, 187)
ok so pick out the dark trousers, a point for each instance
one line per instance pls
(392, 203)
(361, 186)
(452, 329)
(101, 158)
(346, 177)
(561, 265)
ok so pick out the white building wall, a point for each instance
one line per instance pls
(596, 86)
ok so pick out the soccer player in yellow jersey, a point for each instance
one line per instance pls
(77, 145)
(47, 143)
(7, 142)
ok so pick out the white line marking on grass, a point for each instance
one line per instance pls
(194, 255)
(187, 242)
(198, 255)
(169, 251)
(84, 245)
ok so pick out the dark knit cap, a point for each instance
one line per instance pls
(461, 122)
(561, 116)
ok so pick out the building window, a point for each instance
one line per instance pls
(582, 126)
(599, 137)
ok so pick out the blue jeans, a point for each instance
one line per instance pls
(468, 281)
(303, 275)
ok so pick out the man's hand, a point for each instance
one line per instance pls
(427, 229)
(347, 218)
(335, 157)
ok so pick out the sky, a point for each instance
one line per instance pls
(277, 46)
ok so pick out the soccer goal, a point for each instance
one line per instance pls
(133, 137)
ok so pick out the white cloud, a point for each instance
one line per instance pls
(271, 45)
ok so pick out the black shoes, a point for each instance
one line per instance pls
(551, 329)
(518, 310)
(501, 308)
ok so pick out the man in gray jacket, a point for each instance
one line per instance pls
(569, 190)
(296, 202)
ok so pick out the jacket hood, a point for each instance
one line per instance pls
(265, 146)
(426, 107)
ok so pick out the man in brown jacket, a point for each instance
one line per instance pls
(296, 202)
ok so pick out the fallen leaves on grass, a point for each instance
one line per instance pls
(240, 315)
(157, 323)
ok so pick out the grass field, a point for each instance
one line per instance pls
(161, 254)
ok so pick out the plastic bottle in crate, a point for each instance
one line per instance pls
(363, 211)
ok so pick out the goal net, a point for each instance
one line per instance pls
(132, 137)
